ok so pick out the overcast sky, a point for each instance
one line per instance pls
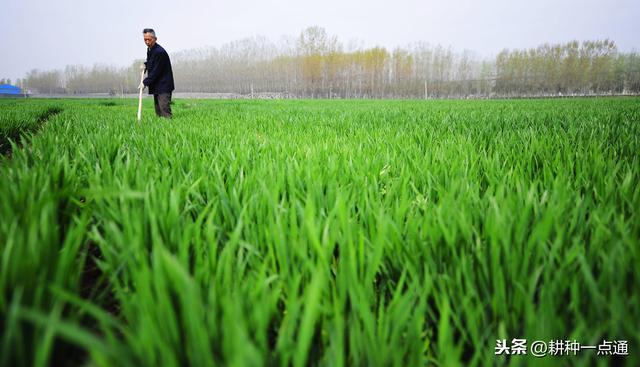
(51, 34)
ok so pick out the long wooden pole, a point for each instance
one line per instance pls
(140, 97)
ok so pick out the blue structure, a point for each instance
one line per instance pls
(7, 90)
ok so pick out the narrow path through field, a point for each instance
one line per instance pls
(5, 141)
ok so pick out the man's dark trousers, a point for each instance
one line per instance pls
(162, 103)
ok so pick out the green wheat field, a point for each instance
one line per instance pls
(330, 233)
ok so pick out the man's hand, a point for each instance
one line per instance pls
(141, 86)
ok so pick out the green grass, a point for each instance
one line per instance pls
(335, 233)
(18, 121)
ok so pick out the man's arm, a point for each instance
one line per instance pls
(158, 69)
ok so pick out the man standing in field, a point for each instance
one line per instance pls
(159, 74)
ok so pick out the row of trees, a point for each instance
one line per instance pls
(570, 68)
(317, 65)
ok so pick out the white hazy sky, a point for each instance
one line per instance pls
(51, 34)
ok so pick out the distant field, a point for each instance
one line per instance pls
(339, 233)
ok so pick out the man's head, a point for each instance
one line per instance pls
(149, 37)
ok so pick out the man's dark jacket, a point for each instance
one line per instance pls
(159, 74)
